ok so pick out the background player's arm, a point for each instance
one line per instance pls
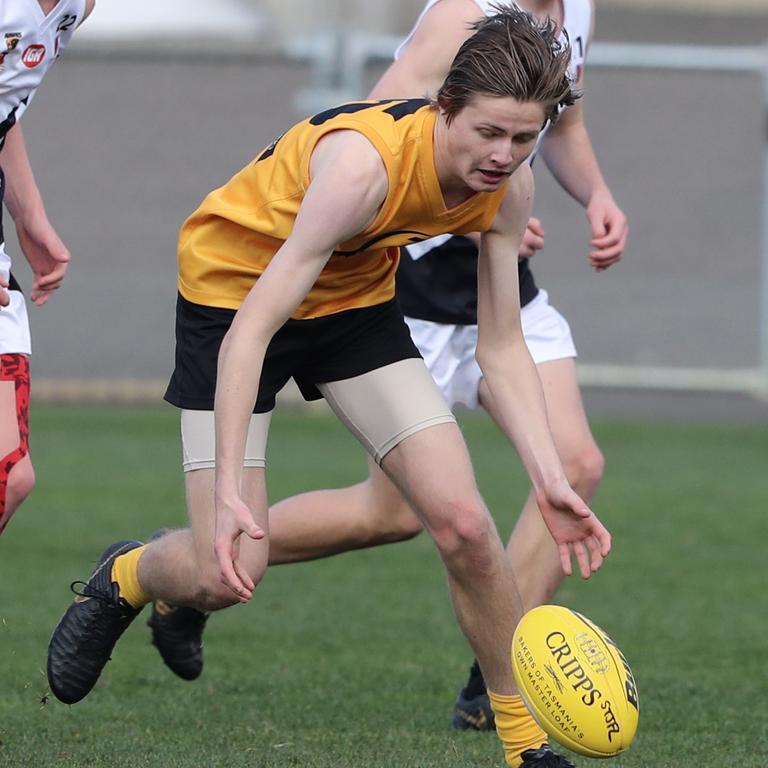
(349, 184)
(424, 63)
(515, 387)
(43, 248)
(568, 153)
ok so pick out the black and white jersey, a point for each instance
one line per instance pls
(437, 280)
(30, 42)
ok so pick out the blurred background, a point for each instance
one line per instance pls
(155, 104)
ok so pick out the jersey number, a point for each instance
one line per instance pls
(66, 22)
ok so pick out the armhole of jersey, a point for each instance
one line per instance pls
(376, 141)
(83, 15)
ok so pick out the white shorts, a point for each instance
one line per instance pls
(449, 350)
(14, 324)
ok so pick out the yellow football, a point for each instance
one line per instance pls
(575, 681)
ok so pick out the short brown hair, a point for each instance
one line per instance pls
(510, 54)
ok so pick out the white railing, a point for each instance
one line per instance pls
(338, 61)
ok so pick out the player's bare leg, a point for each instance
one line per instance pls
(179, 568)
(324, 523)
(531, 548)
(433, 471)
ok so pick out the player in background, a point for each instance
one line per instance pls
(437, 289)
(288, 270)
(32, 35)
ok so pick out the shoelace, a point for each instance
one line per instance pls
(89, 591)
(544, 757)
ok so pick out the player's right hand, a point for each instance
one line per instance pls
(533, 239)
(234, 519)
(5, 298)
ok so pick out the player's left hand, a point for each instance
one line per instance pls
(575, 529)
(233, 520)
(47, 256)
(609, 231)
(5, 299)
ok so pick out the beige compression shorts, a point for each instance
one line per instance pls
(381, 408)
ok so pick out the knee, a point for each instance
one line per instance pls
(210, 593)
(584, 469)
(464, 534)
(21, 481)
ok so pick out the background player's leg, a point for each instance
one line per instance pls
(17, 477)
(323, 523)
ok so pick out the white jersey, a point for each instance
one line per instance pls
(437, 279)
(30, 42)
(577, 23)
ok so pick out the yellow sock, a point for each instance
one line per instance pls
(517, 730)
(125, 571)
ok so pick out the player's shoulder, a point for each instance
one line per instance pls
(348, 154)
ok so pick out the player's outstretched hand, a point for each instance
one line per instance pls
(533, 239)
(47, 256)
(232, 521)
(575, 529)
(609, 231)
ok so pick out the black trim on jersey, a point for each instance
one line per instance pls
(417, 238)
(10, 121)
(399, 109)
(12, 284)
(441, 286)
(407, 107)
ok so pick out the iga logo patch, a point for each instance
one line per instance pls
(33, 55)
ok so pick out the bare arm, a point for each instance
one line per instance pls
(515, 386)
(349, 184)
(43, 248)
(568, 153)
(423, 65)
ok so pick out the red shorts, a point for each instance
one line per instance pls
(15, 368)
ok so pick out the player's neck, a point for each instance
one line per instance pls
(48, 5)
(543, 8)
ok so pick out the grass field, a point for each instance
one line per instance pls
(355, 661)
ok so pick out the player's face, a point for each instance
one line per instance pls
(490, 138)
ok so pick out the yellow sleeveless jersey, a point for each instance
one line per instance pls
(228, 242)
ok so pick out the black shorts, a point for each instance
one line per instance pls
(319, 350)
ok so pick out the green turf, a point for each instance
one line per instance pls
(354, 662)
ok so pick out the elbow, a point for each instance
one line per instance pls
(485, 356)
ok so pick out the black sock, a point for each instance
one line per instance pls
(475, 684)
